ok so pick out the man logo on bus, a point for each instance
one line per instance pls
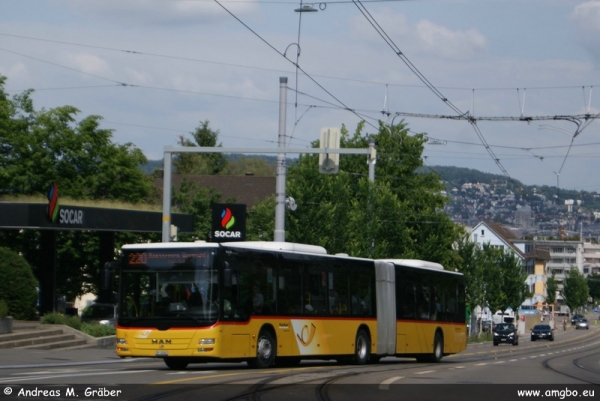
(227, 219)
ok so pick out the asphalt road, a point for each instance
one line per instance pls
(483, 372)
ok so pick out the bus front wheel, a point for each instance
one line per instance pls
(362, 349)
(266, 349)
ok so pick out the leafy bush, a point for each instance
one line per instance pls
(98, 330)
(59, 318)
(54, 318)
(17, 286)
(92, 329)
(3, 308)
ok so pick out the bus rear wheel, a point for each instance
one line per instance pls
(176, 363)
(362, 348)
(266, 349)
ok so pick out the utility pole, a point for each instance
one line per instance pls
(279, 234)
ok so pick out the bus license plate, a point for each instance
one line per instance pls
(162, 353)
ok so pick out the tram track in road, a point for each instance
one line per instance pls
(553, 364)
(312, 379)
(319, 380)
(526, 346)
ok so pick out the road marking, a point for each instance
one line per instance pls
(187, 372)
(481, 364)
(424, 372)
(73, 375)
(385, 385)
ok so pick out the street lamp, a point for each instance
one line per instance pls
(304, 8)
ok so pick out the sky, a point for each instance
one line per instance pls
(154, 70)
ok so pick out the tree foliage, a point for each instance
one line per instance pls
(471, 256)
(190, 199)
(593, 281)
(18, 285)
(575, 289)
(38, 147)
(200, 163)
(254, 165)
(551, 288)
(398, 216)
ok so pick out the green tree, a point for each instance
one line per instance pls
(190, 199)
(471, 266)
(494, 295)
(399, 215)
(513, 277)
(551, 288)
(200, 163)
(255, 165)
(39, 147)
(593, 281)
(18, 285)
(260, 224)
(575, 289)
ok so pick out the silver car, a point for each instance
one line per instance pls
(582, 324)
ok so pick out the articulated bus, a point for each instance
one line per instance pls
(276, 303)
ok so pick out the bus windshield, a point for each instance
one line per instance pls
(168, 288)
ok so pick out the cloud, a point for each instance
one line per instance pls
(160, 12)
(585, 19)
(424, 36)
(446, 43)
(88, 63)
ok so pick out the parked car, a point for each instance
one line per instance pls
(542, 332)
(575, 318)
(99, 312)
(506, 333)
(582, 324)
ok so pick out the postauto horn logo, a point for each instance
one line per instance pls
(64, 216)
(227, 221)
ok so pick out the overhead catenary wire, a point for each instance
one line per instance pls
(296, 64)
(423, 79)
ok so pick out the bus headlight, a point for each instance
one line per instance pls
(121, 341)
(206, 341)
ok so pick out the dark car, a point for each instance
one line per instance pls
(575, 318)
(506, 333)
(582, 324)
(99, 312)
(542, 332)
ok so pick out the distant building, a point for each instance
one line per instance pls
(524, 217)
(534, 259)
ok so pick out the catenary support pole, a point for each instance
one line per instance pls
(166, 218)
(279, 234)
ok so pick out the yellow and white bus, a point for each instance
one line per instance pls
(275, 303)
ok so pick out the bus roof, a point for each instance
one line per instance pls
(170, 245)
(278, 246)
(422, 264)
